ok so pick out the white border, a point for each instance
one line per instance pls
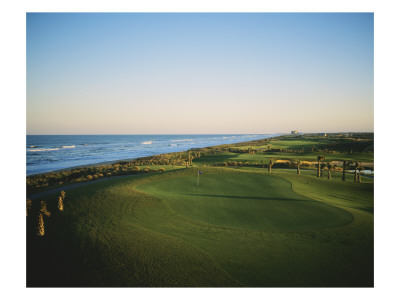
(13, 122)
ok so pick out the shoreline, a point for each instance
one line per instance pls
(104, 163)
(111, 162)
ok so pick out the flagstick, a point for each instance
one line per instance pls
(198, 177)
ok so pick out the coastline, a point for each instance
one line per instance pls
(160, 162)
(105, 163)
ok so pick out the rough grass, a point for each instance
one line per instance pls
(112, 234)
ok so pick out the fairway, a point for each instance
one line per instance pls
(246, 201)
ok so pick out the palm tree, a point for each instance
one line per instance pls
(356, 166)
(43, 209)
(345, 164)
(40, 227)
(359, 172)
(330, 168)
(322, 169)
(298, 166)
(60, 204)
(189, 158)
(319, 158)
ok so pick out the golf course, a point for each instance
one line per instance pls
(212, 222)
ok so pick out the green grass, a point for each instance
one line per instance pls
(265, 157)
(238, 228)
(245, 202)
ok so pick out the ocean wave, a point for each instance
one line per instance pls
(184, 140)
(171, 145)
(147, 143)
(73, 146)
(36, 150)
(33, 146)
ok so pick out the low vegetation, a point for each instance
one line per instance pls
(284, 150)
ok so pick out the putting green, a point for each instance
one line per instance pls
(245, 201)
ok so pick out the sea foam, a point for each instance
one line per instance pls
(37, 150)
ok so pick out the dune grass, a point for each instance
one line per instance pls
(163, 230)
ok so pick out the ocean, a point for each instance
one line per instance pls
(46, 153)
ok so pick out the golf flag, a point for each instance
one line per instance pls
(198, 177)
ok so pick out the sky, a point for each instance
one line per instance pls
(199, 73)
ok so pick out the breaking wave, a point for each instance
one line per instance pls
(37, 150)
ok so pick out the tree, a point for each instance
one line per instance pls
(270, 165)
(189, 158)
(323, 166)
(61, 201)
(43, 209)
(345, 164)
(330, 168)
(40, 228)
(359, 172)
(319, 158)
(298, 166)
(356, 166)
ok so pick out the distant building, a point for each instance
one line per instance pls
(294, 132)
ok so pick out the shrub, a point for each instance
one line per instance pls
(162, 169)
(89, 177)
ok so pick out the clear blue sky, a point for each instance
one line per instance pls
(199, 73)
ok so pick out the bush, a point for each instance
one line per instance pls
(162, 169)
(89, 177)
